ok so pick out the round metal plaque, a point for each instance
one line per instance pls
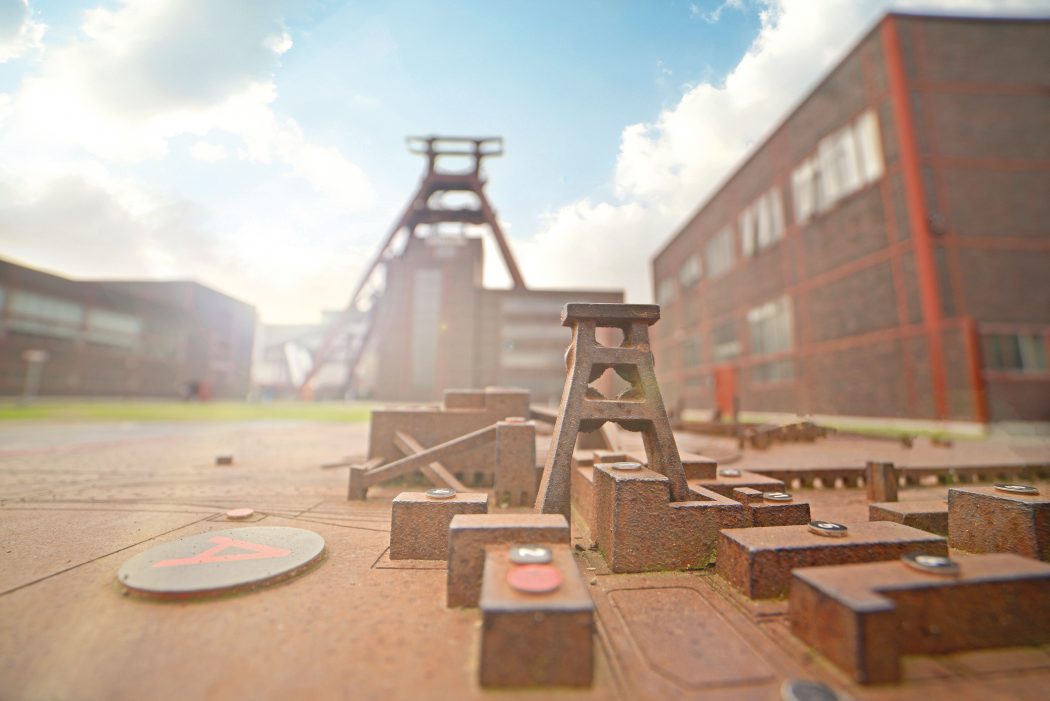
(221, 561)
(729, 472)
(1017, 489)
(806, 690)
(534, 579)
(931, 564)
(239, 514)
(530, 554)
(829, 529)
(441, 493)
(777, 496)
(626, 465)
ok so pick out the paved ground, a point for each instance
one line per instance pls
(76, 501)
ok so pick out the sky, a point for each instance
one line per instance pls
(257, 146)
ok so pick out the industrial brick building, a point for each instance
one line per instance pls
(886, 250)
(121, 338)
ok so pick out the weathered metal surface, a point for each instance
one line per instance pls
(514, 480)
(927, 515)
(221, 561)
(724, 484)
(419, 523)
(881, 481)
(511, 447)
(987, 520)
(463, 411)
(863, 617)
(639, 529)
(535, 638)
(640, 408)
(759, 561)
(763, 512)
(470, 534)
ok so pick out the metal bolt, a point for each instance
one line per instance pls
(239, 514)
(534, 579)
(530, 554)
(806, 690)
(627, 465)
(441, 493)
(931, 564)
(827, 528)
(1016, 489)
(514, 420)
(777, 496)
(729, 472)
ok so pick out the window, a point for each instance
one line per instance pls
(869, 146)
(726, 344)
(44, 315)
(665, 292)
(770, 327)
(719, 252)
(773, 371)
(113, 328)
(1025, 352)
(846, 160)
(690, 272)
(762, 222)
(690, 352)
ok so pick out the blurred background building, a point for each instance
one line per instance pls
(425, 319)
(886, 250)
(122, 338)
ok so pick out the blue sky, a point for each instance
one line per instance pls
(258, 145)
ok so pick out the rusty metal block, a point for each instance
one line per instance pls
(792, 513)
(464, 411)
(927, 515)
(987, 520)
(468, 534)
(639, 529)
(725, 484)
(767, 513)
(863, 617)
(514, 477)
(881, 480)
(759, 561)
(535, 639)
(696, 466)
(419, 524)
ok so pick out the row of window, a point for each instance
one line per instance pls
(1015, 352)
(769, 329)
(843, 162)
(44, 315)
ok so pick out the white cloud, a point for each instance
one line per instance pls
(712, 16)
(668, 167)
(18, 31)
(147, 72)
(208, 152)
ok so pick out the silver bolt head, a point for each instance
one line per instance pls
(441, 493)
(777, 496)
(626, 465)
(530, 554)
(1016, 489)
(931, 564)
(729, 472)
(808, 690)
(829, 529)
